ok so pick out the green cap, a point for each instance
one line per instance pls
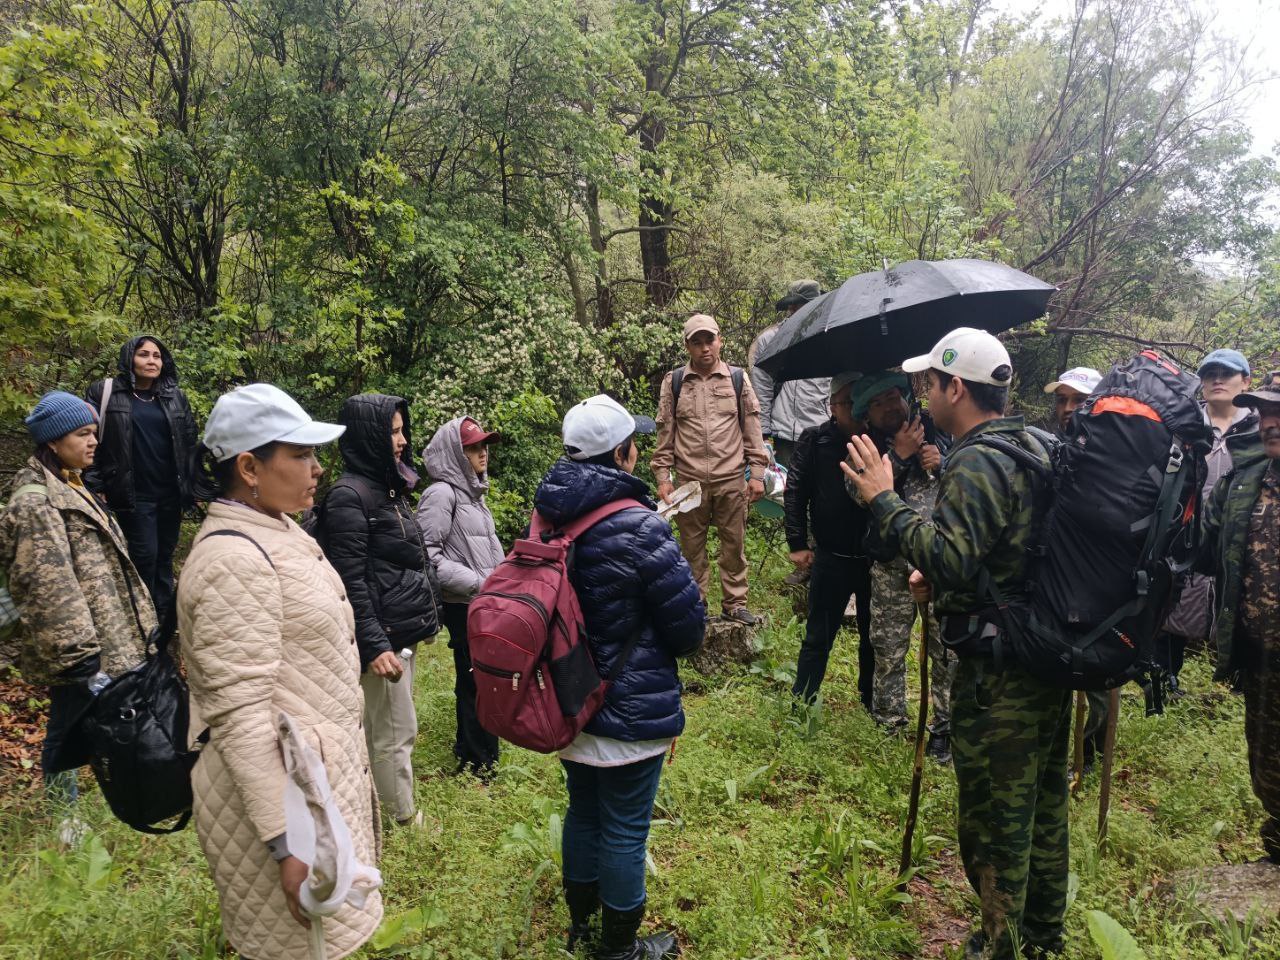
(874, 384)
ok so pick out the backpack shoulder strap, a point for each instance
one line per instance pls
(677, 379)
(538, 527)
(1019, 455)
(368, 497)
(28, 488)
(107, 386)
(736, 377)
(242, 536)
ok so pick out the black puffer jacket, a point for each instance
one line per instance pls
(112, 472)
(378, 550)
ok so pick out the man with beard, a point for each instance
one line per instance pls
(1242, 549)
(882, 401)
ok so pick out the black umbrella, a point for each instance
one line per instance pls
(876, 320)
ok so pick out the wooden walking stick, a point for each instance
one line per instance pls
(917, 772)
(1077, 761)
(1108, 754)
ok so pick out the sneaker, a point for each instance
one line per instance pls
(743, 615)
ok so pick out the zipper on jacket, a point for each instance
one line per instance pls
(526, 600)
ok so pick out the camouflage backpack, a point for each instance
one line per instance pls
(9, 616)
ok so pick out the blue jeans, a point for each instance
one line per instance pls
(607, 826)
(66, 701)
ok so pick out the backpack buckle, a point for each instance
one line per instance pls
(1175, 459)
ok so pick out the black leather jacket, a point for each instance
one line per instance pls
(376, 547)
(816, 497)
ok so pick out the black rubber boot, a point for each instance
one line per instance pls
(583, 900)
(939, 747)
(618, 937)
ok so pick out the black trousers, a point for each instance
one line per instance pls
(152, 532)
(833, 581)
(474, 746)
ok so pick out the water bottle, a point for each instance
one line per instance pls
(97, 682)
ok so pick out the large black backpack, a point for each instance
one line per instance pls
(1118, 518)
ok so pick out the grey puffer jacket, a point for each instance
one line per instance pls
(455, 522)
(787, 409)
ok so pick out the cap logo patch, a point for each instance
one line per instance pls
(948, 357)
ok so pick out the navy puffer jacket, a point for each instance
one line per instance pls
(629, 575)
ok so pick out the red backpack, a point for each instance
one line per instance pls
(536, 682)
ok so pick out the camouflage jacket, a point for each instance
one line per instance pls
(71, 580)
(983, 517)
(1223, 548)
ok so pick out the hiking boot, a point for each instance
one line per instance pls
(743, 615)
(583, 900)
(939, 747)
(975, 946)
(618, 939)
(797, 576)
(1173, 692)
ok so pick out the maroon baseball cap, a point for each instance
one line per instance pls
(471, 432)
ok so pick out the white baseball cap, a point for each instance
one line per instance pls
(257, 414)
(1080, 379)
(969, 354)
(599, 424)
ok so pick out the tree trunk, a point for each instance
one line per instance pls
(604, 294)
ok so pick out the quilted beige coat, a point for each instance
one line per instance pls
(258, 640)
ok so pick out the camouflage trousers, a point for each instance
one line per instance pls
(1010, 735)
(1262, 732)
(893, 614)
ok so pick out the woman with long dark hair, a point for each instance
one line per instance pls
(146, 436)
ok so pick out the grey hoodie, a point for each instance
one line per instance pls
(456, 524)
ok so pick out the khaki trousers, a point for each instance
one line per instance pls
(724, 506)
(390, 728)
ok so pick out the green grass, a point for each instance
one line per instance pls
(773, 838)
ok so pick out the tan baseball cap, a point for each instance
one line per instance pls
(698, 323)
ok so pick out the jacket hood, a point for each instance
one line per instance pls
(366, 444)
(446, 461)
(168, 379)
(571, 489)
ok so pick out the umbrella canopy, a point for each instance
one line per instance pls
(876, 320)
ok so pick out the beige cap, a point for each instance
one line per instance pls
(698, 323)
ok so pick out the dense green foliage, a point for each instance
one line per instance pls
(478, 201)
(776, 836)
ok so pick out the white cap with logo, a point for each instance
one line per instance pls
(969, 354)
(599, 424)
(251, 416)
(1080, 379)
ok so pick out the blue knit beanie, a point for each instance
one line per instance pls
(57, 414)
